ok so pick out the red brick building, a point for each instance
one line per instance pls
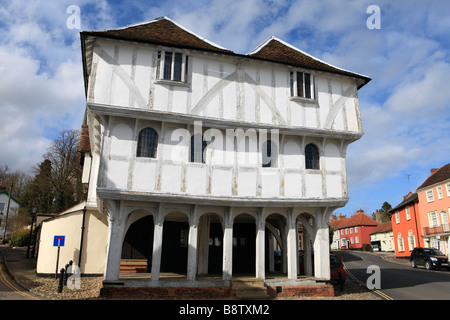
(354, 232)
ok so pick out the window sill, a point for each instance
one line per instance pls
(301, 99)
(172, 83)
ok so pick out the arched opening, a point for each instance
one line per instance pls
(138, 246)
(305, 223)
(210, 245)
(244, 245)
(175, 243)
(275, 245)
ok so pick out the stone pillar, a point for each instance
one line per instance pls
(322, 247)
(309, 233)
(116, 223)
(227, 264)
(292, 255)
(192, 245)
(260, 235)
(158, 220)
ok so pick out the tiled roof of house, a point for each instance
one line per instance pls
(413, 197)
(161, 31)
(383, 227)
(442, 174)
(276, 50)
(358, 219)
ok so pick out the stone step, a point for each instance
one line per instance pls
(133, 265)
(250, 289)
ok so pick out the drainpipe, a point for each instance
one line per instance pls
(417, 228)
(82, 236)
(84, 216)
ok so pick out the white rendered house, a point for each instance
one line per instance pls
(205, 161)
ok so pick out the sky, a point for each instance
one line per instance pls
(403, 46)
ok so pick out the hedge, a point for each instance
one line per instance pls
(20, 238)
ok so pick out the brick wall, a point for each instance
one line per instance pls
(168, 293)
(322, 290)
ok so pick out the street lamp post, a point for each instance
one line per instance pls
(1, 218)
(33, 210)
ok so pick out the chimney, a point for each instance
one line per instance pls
(377, 216)
(432, 171)
(360, 211)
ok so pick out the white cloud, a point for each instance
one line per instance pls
(42, 88)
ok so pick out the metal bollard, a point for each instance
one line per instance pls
(61, 281)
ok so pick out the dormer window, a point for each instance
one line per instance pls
(302, 85)
(171, 66)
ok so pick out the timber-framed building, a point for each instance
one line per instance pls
(204, 162)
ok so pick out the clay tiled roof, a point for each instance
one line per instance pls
(164, 31)
(442, 174)
(383, 227)
(161, 31)
(407, 201)
(277, 50)
(358, 219)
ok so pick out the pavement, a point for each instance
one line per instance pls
(17, 264)
(22, 268)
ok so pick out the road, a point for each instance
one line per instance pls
(10, 290)
(397, 282)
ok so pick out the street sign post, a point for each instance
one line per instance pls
(58, 241)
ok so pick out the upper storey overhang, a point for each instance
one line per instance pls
(166, 32)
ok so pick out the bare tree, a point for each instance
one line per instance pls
(65, 170)
(15, 183)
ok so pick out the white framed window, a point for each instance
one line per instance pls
(356, 229)
(430, 196)
(444, 219)
(172, 66)
(357, 239)
(342, 232)
(302, 85)
(351, 230)
(147, 143)
(351, 240)
(439, 192)
(397, 217)
(346, 230)
(408, 213)
(401, 246)
(448, 189)
(312, 157)
(411, 240)
(433, 219)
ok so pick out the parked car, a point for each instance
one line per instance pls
(429, 257)
(337, 270)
